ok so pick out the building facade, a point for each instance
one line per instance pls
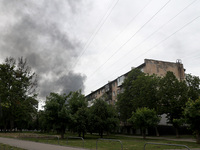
(110, 90)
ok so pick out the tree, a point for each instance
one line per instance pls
(192, 117)
(124, 99)
(172, 96)
(103, 117)
(76, 100)
(18, 102)
(80, 121)
(193, 83)
(144, 90)
(144, 118)
(57, 112)
(140, 90)
(43, 124)
(79, 111)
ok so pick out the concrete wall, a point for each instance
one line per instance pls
(160, 68)
(114, 92)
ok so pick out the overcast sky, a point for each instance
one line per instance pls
(83, 44)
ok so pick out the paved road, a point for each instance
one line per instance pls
(34, 145)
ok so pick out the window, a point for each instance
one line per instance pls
(118, 91)
(107, 88)
(120, 80)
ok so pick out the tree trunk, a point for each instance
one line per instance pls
(101, 134)
(157, 132)
(197, 138)
(108, 133)
(83, 134)
(177, 133)
(11, 125)
(5, 127)
(144, 133)
(62, 135)
(0, 109)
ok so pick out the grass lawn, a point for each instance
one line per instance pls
(8, 147)
(129, 143)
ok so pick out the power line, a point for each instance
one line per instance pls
(156, 45)
(102, 22)
(124, 28)
(130, 38)
(191, 55)
(156, 31)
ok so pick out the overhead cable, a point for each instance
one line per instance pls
(126, 26)
(160, 42)
(102, 22)
(153, 33)
(130, 38)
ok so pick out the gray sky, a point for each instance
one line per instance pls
(70, 46)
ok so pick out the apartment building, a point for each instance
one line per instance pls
(110, 90)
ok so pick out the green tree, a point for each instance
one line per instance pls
(172, 96)
(192, 117)
(43, 124)
(144, 118)
(140, 90)
(193, 83)
(76, 100)
(18, 103)
(79, 111)
(124, 99)
(80, 121)
(57, 112)
(144, 90)
(103, 117)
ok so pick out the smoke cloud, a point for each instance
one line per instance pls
(38, 31)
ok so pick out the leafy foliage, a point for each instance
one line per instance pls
(76, 100)
(79, 111)
(57, 112)
(139, 91)
(144, 118)
(192, 116)
(103, 117)
(124, 104)
(80, 121)
(165, 95)
(18, 84)
(193, 83)
(172, 96)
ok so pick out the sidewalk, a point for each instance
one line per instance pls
(34, 145)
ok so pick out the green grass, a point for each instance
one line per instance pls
(129, 143)
(8, 147)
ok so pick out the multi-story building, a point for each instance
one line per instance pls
(110, 90)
